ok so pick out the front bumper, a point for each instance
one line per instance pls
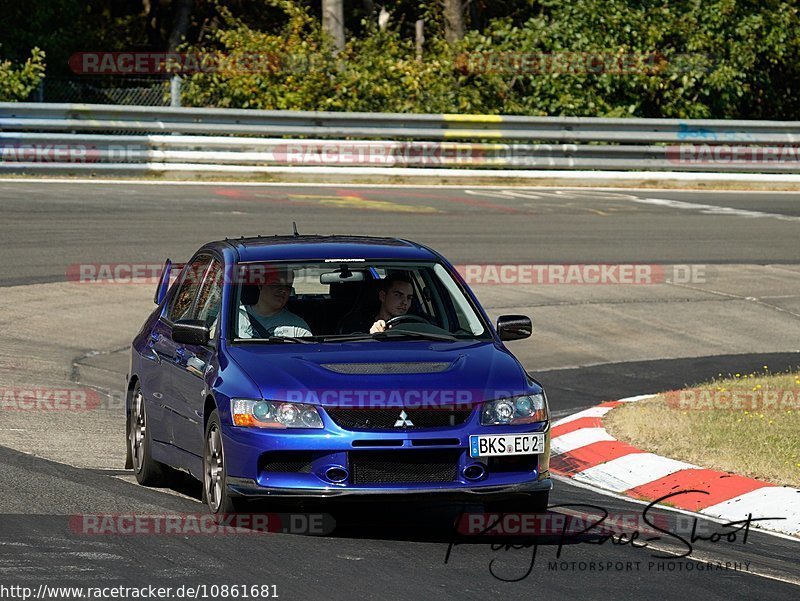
(245, 487)
(304, 456)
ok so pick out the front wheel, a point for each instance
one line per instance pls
(215, 480)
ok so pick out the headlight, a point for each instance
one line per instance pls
(274, 414)
(512, 411)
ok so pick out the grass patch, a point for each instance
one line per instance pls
(747, 424)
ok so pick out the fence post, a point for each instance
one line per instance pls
(175, 91)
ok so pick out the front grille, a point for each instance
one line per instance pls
(389, 419)
(406, 467)
(288, 462)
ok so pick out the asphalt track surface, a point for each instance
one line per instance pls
(388, 550)
(47, 227)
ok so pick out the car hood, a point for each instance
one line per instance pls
(375, 373)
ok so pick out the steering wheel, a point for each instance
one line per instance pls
(403, 318)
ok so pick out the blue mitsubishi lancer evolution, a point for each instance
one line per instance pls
(324, 366)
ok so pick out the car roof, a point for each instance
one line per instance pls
(311, 247)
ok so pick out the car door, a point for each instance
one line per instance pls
(197, 365)
(156, 378)
(173, 355)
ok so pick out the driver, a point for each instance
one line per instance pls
(395, 294)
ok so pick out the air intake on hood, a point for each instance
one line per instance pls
(396, 367)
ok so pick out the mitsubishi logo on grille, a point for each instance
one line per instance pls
(403, 422)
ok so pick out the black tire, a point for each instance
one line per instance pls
(148, 471)
(215, 476)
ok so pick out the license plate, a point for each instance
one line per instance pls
(497, 445)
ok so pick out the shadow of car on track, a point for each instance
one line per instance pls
(411, 518)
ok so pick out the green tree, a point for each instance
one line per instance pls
(290, 69)
(717, 58)
(17, 83)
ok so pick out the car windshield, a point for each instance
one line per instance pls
(352, 300)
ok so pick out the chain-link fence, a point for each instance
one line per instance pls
(138, 91)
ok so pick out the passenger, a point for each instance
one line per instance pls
(269, 316)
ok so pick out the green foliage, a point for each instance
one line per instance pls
(616, 58)
(380, 72)
(640, 58)
(300, 71)
(289, 69)
(17, 83)
(716, 58)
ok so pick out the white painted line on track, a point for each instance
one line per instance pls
(634, 399)
(712, 209)
(630, 471)
(577, 439)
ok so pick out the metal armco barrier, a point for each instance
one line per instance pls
(64, 137)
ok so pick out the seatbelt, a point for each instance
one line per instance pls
(257, 326)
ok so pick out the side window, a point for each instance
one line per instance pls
(209, 302)
(192, 277)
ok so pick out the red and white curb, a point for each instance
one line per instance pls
(584, 451)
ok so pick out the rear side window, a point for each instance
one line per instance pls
(191, 278)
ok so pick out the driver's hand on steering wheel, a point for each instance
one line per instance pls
(378, 326)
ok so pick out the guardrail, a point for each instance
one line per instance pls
(74, 137)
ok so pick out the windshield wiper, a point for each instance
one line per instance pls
(346, 337)
(300, 339)
(409, 334)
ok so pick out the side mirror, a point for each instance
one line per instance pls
(163, 283)
(514, 327)
(191, 331)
